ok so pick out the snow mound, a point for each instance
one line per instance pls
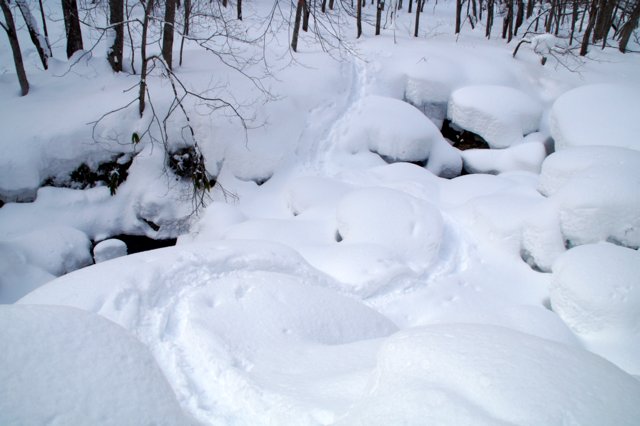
(526, 157)
(595, 287)
(444, 160)
(501, 115)
(394, 129)
(601, 114)
(408, 226)
(64, 366)
(308, 192)
(476, 374)
(596, 191)
(596, 291)
(109, 249)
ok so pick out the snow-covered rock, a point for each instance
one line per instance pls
(501, 115)
(595, 289)
(526, 156)
(487, 375)
(596, 192)
(65, 366)
(109, 249)
(394, 129)
(410, 227)
(600, 114)
(444, 160)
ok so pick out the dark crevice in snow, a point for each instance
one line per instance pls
(140, 243)
(151, 224)
(462, 139)
(338, 237)
(547, 304)
(529, 260)
(391, 160)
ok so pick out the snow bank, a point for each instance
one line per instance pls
(392, 128)
(525, 156)
(473, 374)
(501, 115)
(596, 191)
(602, 114)
(410, 227)
(65, 366)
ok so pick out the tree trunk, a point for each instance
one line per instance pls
(418, 8)
(489, 18)
(116, 19)
(379, 10)
(143, 54)
(519, 16)
(72, 26)
(574, 19)
(587, 32)
(239, 7)
(410, 6)
(458, 15)
(187, 18)
(296, 26)
(305, 16)
(331, 4)
(628, 27)
(359, 19)
(167, 33)
(530, 4)
(40, 43)
(10, 28)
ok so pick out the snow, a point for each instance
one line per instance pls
(600, 114)
(341, 271)
(596, 291)
(109, 249)
(501, 115)
(459, 374)
(55, 369)
(596, 192)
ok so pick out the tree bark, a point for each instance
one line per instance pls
(380, 8)
(38, 40)
(72, 26)
(143, 54)
(489, 18)
(116, 19)
(458, 15)
(418, 9)
(167, 33)
(239, 7)
(305, 16)
(584, 47)
(187, 18)
(296, 26)
(359, 19)
(10, 28)
(628, 27)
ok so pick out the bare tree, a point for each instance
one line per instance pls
(359, 18)
(167, 34)
(10, 28)
(72, 26)
(418, 10)
(296, 26)
(39, 41)
(116, 19)
(629, 26)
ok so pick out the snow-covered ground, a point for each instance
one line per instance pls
(344, 271)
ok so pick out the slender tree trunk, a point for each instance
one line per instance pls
(530, 4)
(628, 27)
(418, 9)
(305, 16)
(324, 6)
(148, 10)
(379, 9)
(489, 18)
(116, 19)
(458, 15)
(519, 16)
(296, 26)
(330, 4)
(410, 6)
(584, 47)
(40, 43)
(72, 26)
(549, 19)
(187, 18)
(574, 20)
(10, 29)
(359, 19)
(167, 33)
(239, 7)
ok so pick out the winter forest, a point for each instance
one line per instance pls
(318, 212)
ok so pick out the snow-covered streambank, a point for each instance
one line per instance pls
(348, 273)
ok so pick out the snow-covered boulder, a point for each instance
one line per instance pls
(392, 128)
(596, 287)
(596, 192)
(501, 115)
(62, 365)
(444, 160)
(109, 249)
(526, 157)
(410, 227)
(601, 114)
(487, 375)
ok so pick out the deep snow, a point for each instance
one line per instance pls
(342, 272)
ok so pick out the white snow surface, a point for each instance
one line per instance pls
(109, 249)
(74, 367)
(600, 114)
(326, 280)
(501, 115)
